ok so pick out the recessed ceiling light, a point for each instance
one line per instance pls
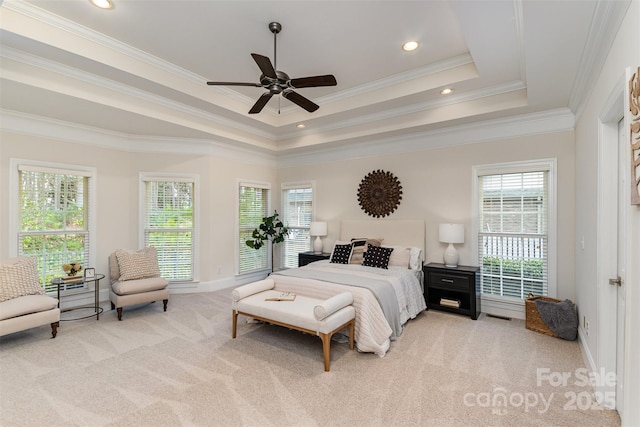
(446, 91)
(409, 46)
(300, 126)
(102, 4)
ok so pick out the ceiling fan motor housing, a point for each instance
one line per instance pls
(275, 85)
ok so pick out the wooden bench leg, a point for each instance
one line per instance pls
(352, 328)
(234, 323)
(326, 350)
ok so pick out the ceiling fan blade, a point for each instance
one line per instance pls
(265, 65)
(260, 103)
(233, 84)
(303, 102)
(315, 81)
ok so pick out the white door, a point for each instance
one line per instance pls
(621, 267)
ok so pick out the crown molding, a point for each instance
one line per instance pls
(559, 120)
(607, 18)
(27, 124)
(411, 109)
(113, 86)
(551, 121)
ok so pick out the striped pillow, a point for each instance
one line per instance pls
(138, 264)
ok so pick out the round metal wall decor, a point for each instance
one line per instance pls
(379, 193)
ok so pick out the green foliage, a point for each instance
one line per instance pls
(531, 269)
(271, 229)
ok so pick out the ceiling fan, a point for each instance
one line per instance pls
(277, 82)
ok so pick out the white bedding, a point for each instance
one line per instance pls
(372, 333)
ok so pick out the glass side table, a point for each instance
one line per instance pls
(96, 306)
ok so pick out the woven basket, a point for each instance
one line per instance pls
(533, 320)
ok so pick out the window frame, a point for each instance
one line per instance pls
(285, 186)
(61, 168)
(172, 177)
(254, 184)
(548, 165)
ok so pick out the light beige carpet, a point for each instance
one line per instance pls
(182, 368)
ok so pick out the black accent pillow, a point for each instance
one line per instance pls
(377, 256)
(341, 254)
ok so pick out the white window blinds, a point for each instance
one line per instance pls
(297, 212)
(169, 225)
(253, 206)
(513, 235)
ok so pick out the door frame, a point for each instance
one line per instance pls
(607, 242)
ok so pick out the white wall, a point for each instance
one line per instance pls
(624, 53)
(436, 185)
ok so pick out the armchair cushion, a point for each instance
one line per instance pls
(138, 264)
(128, 287)
(19, 277)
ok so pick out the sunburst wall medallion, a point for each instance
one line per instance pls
(379, 193)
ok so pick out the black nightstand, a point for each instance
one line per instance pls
(456, 285)
(305, 258)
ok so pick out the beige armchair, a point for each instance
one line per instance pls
(23, 304)
(135, 279)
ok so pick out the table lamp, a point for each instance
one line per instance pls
(451, 233)
(317, 229)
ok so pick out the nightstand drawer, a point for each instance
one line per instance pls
(449, 281)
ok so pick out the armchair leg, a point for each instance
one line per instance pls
(113, 306)
(119, 313)
(164, 302)
(54, 329)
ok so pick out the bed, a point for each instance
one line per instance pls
(385, 299)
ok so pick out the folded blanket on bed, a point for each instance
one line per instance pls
(380, 288)
(561, 317)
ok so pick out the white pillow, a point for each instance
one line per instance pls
(416, 258)
(406, 257)
(400, 256)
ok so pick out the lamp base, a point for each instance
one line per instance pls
(451, 256)
(317, 245)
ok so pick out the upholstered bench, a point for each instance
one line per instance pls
(309, 315)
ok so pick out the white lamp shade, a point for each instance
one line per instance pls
(318, 228)
(451, 233)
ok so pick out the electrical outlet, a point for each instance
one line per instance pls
(587, 328)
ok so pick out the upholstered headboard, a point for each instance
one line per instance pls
(402, 232)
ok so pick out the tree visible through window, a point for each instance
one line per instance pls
(53, 216)
(169, 225)
(513, 233)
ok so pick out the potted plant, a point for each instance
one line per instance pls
(271, 229)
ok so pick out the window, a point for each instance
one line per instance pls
(514, 223)
(297, 212)
(253, 205)
(169, 223)
(53, 221)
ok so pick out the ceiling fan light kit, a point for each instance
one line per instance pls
(278, 82)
